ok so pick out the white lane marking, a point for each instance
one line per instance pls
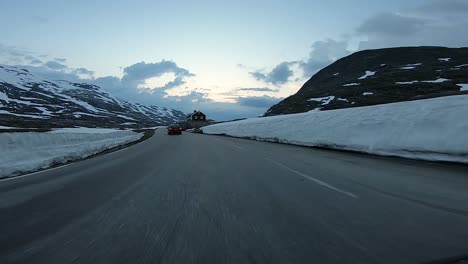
(33, 173)
(317, 181)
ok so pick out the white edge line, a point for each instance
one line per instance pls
(33, 173)
(317, 181)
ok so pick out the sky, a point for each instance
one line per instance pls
(229, 59)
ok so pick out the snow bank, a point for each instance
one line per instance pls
(85, 130)
(25, 152)
(432, 129)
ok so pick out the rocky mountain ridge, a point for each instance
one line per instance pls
(380, 76)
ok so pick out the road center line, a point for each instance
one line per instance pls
(317, 181)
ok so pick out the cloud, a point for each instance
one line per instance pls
(444, 7)
(16, 53)
(32, 60)
(260, 89)
(36, 62)
(279, 75)
(132, 86)
(323, 53)
(11, 55)
(193, 98)
(84, 72)
(61, 60)
(137, 73)
(263, 102)
(56, 74)
(39, 19)
(29, 57)
(391, 24)
(55, 65)
(178, 81)
(143, 70)
(435, 23)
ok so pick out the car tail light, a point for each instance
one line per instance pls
(180, 128)
(170, 128)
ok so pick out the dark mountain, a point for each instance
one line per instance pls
(381, 76)
(27, 100)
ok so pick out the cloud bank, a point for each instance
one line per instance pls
(435, 23)
(132, 86)
(280, 74)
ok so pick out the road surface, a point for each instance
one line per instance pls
(209, 199)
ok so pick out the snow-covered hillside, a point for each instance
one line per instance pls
(431, 129)
(25, 152)
(27, 100)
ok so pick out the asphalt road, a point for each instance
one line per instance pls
(209, 199)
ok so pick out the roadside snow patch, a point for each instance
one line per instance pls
(367, 93)
(25, 152)
(430, 129)
(85, 130)
(444, 59)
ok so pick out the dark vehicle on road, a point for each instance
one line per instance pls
(174, 130)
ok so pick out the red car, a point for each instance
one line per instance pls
(174, 130)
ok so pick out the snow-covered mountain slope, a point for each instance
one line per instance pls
(27, 100)
(430, 129)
